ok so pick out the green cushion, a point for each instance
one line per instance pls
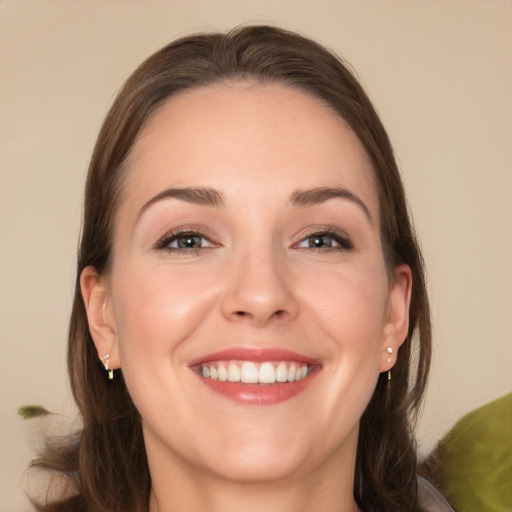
(476, 456)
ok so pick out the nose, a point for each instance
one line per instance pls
(259, 289)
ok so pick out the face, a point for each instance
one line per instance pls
(248, 306)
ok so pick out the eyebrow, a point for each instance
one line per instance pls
(196, 195)
(321, 194)
(205, 196)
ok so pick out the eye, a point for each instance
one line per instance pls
(184, 242)
(187, 242)
(325, 241)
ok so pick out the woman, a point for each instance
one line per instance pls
(249, 279)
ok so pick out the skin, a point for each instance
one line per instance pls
(255, 283)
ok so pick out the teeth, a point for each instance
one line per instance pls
(282, 372)
(267, 373)
(233, 372)
(223, 373)
(249, 372)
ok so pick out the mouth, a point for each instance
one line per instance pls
(262, 376)
(249, 372)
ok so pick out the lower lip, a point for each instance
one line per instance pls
(259, 394)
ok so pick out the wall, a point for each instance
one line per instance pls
(440, 74)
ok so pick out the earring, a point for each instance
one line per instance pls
(106, 362)
(389, 350)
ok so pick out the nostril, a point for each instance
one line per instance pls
(278, 313)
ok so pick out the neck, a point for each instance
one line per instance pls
(178, 486)
(233, 497)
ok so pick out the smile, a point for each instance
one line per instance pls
(250, 372)
(256, 376)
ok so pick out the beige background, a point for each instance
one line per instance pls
(440, 74)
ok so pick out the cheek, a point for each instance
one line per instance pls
(156, 310)
(347, 308)
(350, 314)
(351, 305)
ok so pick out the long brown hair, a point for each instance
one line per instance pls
(106, 461)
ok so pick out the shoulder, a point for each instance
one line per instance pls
(430, 499)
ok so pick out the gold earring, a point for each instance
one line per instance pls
(106, 363)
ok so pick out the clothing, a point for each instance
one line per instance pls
(430, 498)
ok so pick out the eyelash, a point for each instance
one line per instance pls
(342, 241)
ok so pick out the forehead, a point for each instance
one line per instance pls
(239, 134)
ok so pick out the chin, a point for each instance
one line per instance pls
(250, 456)
(258, 467)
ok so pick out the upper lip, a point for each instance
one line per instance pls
(255, 355)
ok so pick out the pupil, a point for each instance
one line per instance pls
(320, 241)
(189, 242)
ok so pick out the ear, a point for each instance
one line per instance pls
(397, 321)
(100, 316)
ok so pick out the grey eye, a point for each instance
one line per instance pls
(325, 241)
(320, 241)
(188, 242)
(184, 241)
